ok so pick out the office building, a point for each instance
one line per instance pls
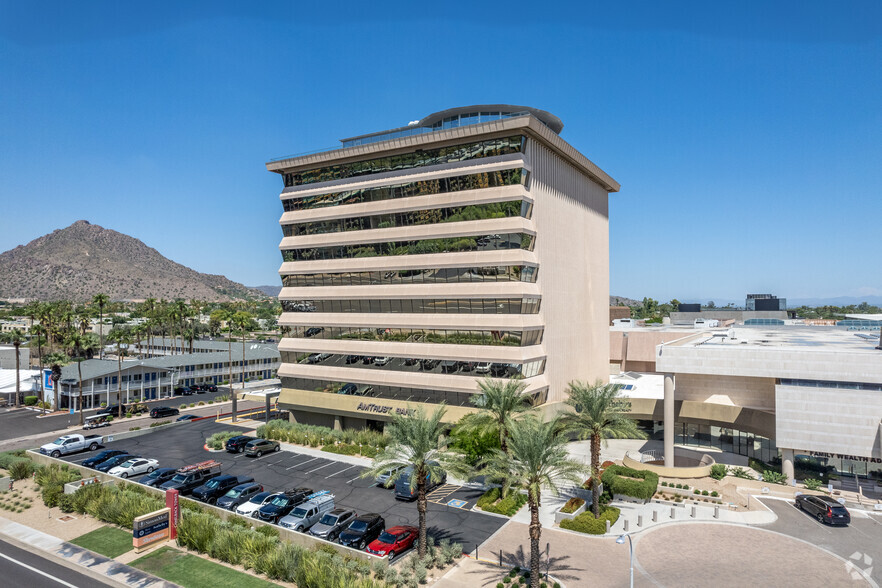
(416, 261)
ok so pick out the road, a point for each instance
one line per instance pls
(25, 568)
(17, 421)
(860, 542)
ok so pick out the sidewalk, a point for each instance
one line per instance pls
(79, 559)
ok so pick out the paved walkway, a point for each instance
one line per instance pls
(78, 558)
(676, 555)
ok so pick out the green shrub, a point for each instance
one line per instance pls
(696, 491)
(740, 473)
(218, 440)
(19, 470)
(159, 424)
(500, 585)
(51, 480)
(30, 400)
(572, 505)
(586, 523)
(664, 484)
(718, 471)
(134, 428)
(7, 458)
(812, 484)
(715, 493)
(705, 493)
(774, 477)
(508, 506)
(617, 480)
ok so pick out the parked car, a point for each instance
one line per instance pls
(158, 477)
(307, 514)
(317, 357)
(349, 388)
(825, 509)
(237, 444)
(111, 409)
(384, 477)
(393, 541)
(108, 464)
(106, 454)
(187, 417)
(157, 412)
(238, 495)
(382, 360)
(332, 524)
(67, 444)
(429, 364)
(353, 358)
(402, 484)
(216, 487)
(134, 467)
(258, 447)
(282, 504)
(362, 530)
(247, 509)
(190, 477)
(313, 331)
(411, 361)
(448, 366)
(183, 391)
(211, 388)
(483, 367)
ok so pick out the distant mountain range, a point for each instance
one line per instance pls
(269, 290)
(84, 259)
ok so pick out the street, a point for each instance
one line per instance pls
(27, 568)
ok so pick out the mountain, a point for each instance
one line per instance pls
(622, 301)
(268, 290)
(85, 259)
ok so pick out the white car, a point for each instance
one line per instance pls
(382, 360)
(483, 368)
(134, 467)
(249, 508)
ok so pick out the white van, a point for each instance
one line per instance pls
(309, 513)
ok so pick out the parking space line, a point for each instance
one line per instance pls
(320, 467)
(354, 479)
(304, 463)
(340, 472)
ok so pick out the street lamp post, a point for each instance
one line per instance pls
(621, 541)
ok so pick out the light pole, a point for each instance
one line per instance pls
(621, 541)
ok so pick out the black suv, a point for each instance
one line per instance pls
(183, 391)
(282, 505)
(210, 388)
(217, 487)
(112, 409)
(237, 444)
(114, 461)
(362, 530)
(825, 509)
(104, 455)
(163, 411)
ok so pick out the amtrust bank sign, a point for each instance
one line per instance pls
(379, 409)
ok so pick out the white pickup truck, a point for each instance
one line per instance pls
(71, 444)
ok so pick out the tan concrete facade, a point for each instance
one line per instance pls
(569, 223)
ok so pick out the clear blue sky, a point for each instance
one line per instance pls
(747, 136)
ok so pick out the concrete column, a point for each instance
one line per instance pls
(338, 423)
(669, 420)
(787, 464)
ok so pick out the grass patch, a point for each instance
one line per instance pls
(194, 572)
(108, 541)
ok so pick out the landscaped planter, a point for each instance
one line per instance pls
(625, 498)
(560, 515)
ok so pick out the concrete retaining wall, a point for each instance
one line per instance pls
(675, 472)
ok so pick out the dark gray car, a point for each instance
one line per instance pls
(332, 523)
(260, 446)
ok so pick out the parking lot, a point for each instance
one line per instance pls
(449, 514)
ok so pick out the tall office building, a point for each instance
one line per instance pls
(415, 261)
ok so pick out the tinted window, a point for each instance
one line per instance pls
(358, 526)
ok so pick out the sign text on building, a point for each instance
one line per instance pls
(365, 407)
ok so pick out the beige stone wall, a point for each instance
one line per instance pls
(571, 217)
(758, 393)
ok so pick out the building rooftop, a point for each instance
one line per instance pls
(794, 337)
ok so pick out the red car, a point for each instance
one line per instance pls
(393, 541)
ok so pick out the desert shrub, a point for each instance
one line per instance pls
(740, 473)
(714, 493)
(21, 469)
(268, 531)
(572, 505)
(718, 471)
(51, 480)
(586, 523)
(159, 424)
(316, 436)
(664, 484)
(616, 480)
(705, 493)
(7, 458)
(812, 483)
(30, 400)
(218, 440)
(508, 506)
(774, 477)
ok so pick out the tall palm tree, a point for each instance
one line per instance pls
(120, 337)
(537, 458)
(46, 319)
(80, 348)
(38, 332)
(500, 404)
(16, 337)
(101, 300)
(600, 413)
(182, 311)
(56, 360)
(415, 441)
(243, 322)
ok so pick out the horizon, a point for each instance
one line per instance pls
(744, 137)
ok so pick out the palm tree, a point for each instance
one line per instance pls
(80, 347)
(38, 332)
(415, 441)
(16, 336)
(500, 404)
(243, 321)
(101, 301)
(537, 458)
(120, 337)
(600, 413)
(56, 361)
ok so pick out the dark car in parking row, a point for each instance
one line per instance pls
(114, 461)
(103, 456)
(158, 412)
(332, 523)
(824, 508)
(257, 447)
(238, 495)
(282, 505)
(362, 530)
(237, 444)
(216, 487)
(158, 477)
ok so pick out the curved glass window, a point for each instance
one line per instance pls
(373, 394)
(411, 218)
(446, 245)
(420, 158)
(402, 364)
(418, 305)
(450, 336)
(505, 177)
(504, 273)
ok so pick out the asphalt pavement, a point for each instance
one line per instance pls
(860, 542)
(27, 568)
(449, 509)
